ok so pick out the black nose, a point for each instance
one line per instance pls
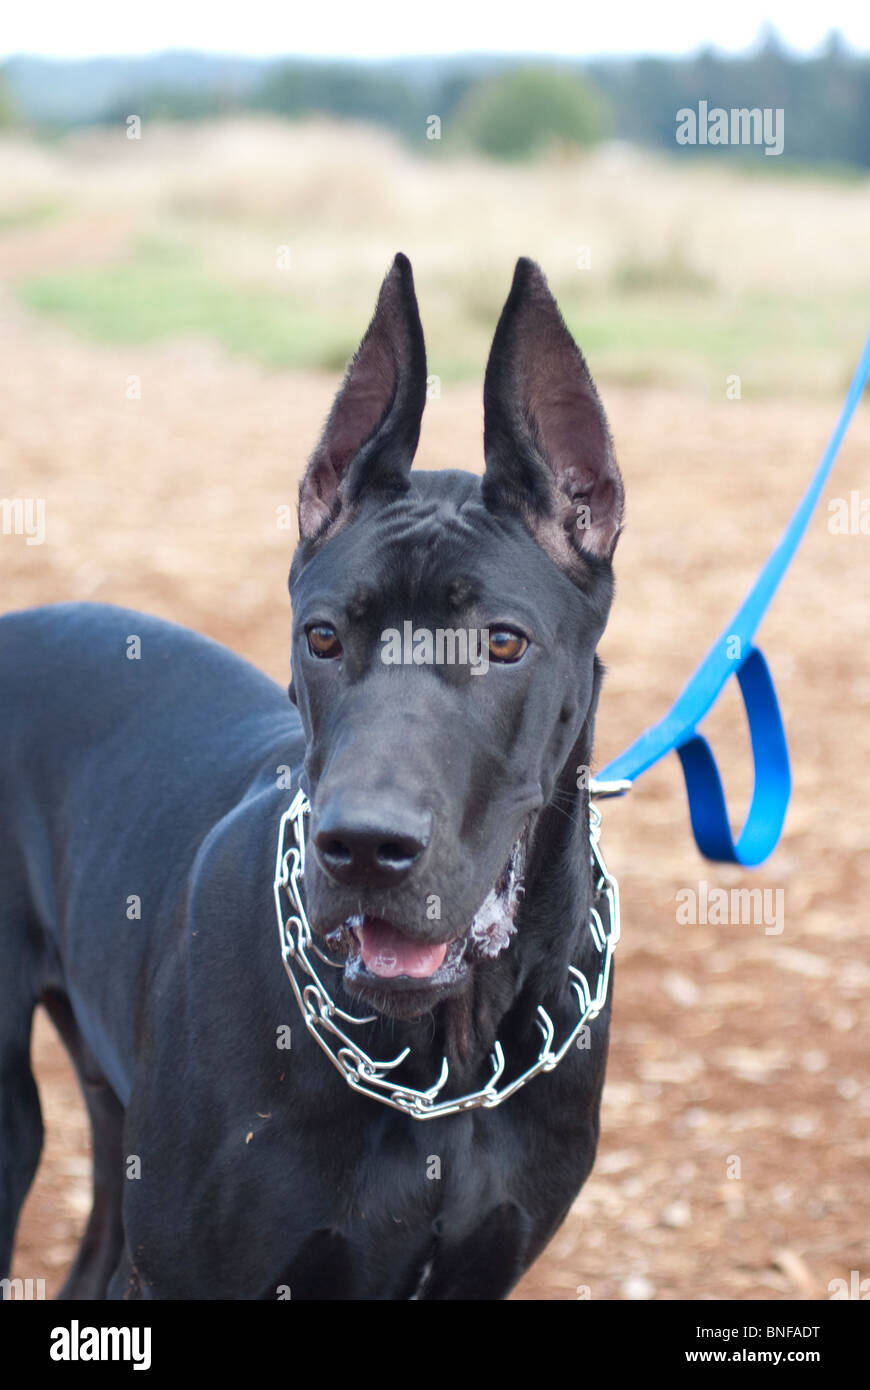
(370, 845)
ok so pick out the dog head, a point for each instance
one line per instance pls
(444, 647)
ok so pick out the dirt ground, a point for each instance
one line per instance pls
(736, 1121)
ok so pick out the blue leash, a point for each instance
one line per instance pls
(733, 654)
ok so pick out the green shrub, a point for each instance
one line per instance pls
(521, 111)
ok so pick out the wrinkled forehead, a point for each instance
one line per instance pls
(434, 552)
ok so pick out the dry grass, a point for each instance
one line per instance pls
(696, 272)
(350, 191)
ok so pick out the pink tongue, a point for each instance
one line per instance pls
(386, 952)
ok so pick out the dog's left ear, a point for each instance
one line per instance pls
(373, 429)
(549, 454)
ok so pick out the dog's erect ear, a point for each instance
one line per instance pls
(373, 428)
(549, 455)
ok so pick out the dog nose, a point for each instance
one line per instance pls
(360, 846)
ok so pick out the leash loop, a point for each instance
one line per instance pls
(772, 785)
(677, 730)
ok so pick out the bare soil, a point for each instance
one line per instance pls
(736, 1121)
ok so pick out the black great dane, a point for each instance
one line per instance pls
(447, 881)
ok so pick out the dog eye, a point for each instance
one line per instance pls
(323, 640)
(505, 645)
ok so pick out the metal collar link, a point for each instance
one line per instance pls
(326, 1021)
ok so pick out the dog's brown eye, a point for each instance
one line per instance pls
(505, 645)
(323, 641)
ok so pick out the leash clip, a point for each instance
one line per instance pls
(603, 790)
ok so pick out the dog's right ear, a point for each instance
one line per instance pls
(369, 440)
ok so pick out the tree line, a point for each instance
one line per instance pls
(513, 109)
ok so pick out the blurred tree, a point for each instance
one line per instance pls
(834, 48)
(173, 103)
(519, 112)
(350, 90)
(510, 110)
(9, 115)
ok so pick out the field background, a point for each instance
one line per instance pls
(159, 259)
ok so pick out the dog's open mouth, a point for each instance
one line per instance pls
(383, 959)
(380, 953)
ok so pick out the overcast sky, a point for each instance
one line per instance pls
(388, 28)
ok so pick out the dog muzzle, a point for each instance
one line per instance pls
(327, 1023)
